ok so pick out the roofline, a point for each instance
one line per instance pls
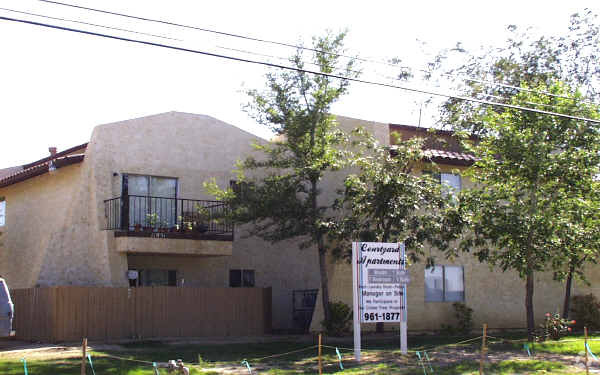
(57, 155)
(426, 130)
(449, 161)
(40, 169)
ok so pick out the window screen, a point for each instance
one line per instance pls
(235, 278)
(2, 212)
(434, 284)
(241, 278)
(444, 284)
(451, 181)
(157, 277)
(248, 278)
(454, 289)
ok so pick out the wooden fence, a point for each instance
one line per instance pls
(68, 313)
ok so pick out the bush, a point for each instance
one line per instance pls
(340, 318)
(554, 327)
(587, 311)
(464, 319)
(464, 316)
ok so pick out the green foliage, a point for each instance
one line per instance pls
(340, 319)
(587, 311)
(529, 61)
(554, 327)
(464, 317)
(387, 201)
(283, 181)
(533, 173)
(464, 320)
(535, 194)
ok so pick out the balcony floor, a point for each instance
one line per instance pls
(212, 236)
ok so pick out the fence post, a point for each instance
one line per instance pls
(320, 363)
(83, 355)
(482, 349)
(587, 367)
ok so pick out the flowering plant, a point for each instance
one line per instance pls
(554, 327)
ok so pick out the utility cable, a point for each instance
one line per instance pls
(286, 45)
(89, 24)
(256, 62)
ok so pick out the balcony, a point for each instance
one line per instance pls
(136, 220)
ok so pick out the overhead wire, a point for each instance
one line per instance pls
(210, 31)
(89, 24)
(261, 40)
(257, 62)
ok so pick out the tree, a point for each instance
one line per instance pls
(282, 186)
(386, 200)
(580, 242)
(533, 178)
(527, 62)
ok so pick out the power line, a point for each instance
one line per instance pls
(298, 47)
(206, 30)
(89, 24)
(420, 91)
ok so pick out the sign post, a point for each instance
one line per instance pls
(379, 287)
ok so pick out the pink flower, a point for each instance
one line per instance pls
(548, 314)
(572, 322)
(569, 329)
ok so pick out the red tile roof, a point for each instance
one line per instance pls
(9, 176)
(450, 157)
(440, 146)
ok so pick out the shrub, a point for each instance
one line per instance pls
(464, 319)
(587, 311)
(340, 317)
(464, 316)
(554, 327)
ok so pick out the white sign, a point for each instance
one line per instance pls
(2, 213)
(379, 287)
(380, 293)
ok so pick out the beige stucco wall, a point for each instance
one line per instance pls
(37, 213)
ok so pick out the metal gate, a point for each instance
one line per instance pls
(303, 303)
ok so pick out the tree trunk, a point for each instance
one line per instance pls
(324, 280)
(529, 306)
(322, 253)
(567, 301)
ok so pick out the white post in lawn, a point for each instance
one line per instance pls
(355, 291)
(403, 340)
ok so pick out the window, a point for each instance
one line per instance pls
(155, 277)
(241, 278)
(449, 181)
(444, 284)
(150, 200)
(2, 211)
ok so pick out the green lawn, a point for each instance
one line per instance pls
(381, 357)
(570, 345)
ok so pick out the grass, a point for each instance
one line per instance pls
(381, 357)
(569, 345)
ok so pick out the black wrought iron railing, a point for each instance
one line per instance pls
(146, 214)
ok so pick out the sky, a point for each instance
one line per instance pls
(58, 85)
